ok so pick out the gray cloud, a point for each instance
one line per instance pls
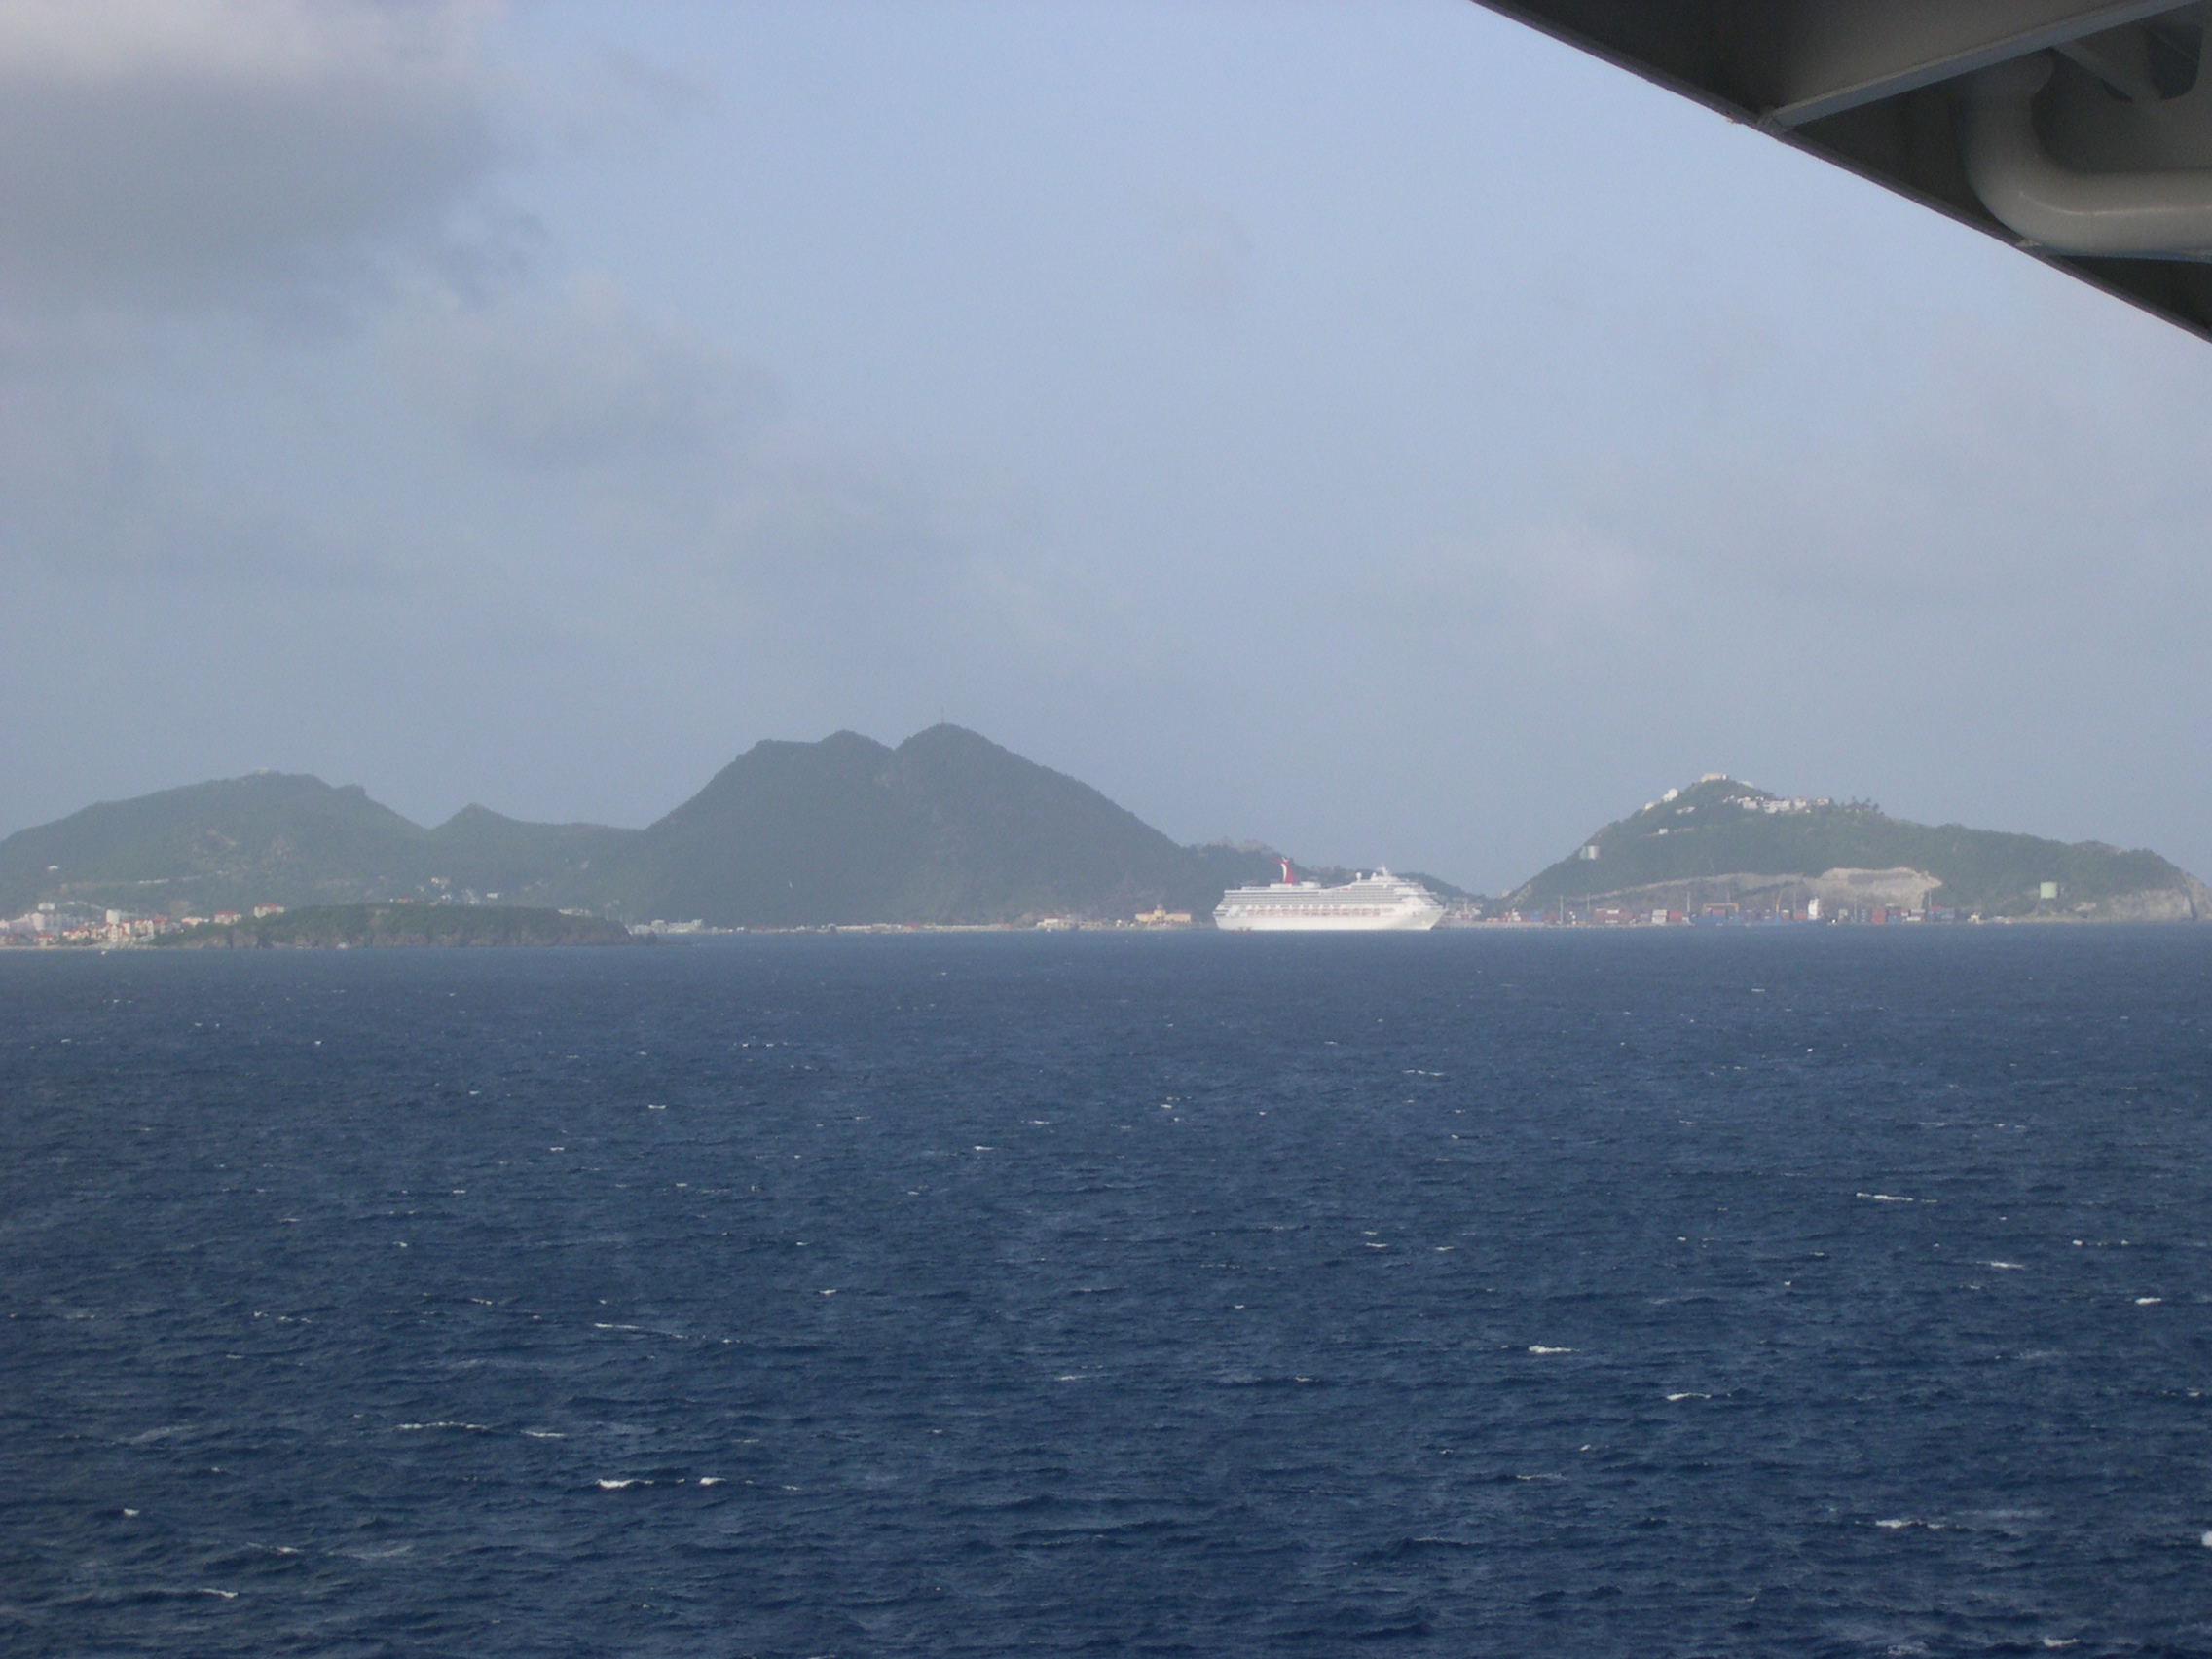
(1205, 250)
(96, 492)
(170, 168)
(158, 153)
(616, 93)
(668, 453)
(582, 382)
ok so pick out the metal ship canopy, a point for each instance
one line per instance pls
(2081, 134)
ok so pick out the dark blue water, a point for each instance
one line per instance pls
(1816, 1292)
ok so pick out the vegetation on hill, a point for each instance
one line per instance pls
(945, 828)
(281, 840)
(1722, 826)
(368, 926)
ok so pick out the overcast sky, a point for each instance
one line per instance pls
(1369, 427)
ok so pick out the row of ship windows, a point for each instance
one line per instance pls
(1311, 910)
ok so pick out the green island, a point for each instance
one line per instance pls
(356, 927)
(949, 829)
(1721, 839)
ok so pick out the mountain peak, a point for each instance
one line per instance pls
(944, 734)
(949, 827)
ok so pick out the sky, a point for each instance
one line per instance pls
(1370, 428)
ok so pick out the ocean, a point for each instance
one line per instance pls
(1750, 1292)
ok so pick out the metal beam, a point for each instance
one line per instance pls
(1837, 55)
(1858, 83)
(2121, 61)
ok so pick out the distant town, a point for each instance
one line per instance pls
(59, 926)
(64, 925)
(961, 835)
(51, 925)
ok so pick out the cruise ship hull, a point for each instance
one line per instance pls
(1377, 904)
(1386, 922)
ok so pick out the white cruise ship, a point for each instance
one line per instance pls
(1373, 903)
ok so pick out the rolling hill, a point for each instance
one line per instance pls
(1724, 839)
(282, 838)
(945, 828)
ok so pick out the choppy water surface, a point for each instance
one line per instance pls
(1818, 1292)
